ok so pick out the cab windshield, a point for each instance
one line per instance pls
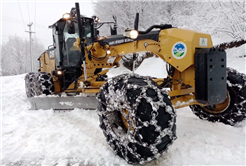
(71, 53)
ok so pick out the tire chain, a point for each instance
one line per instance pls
(38, 83)
(240, 89)
(45, 84)
(30, 84)
(111, 95)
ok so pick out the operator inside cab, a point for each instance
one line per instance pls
(71, 53)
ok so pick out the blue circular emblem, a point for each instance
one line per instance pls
(179, 50)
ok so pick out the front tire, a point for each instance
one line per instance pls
(38, 84)
(136, 117)
(233, 109)
(30, 80)
(45, 84)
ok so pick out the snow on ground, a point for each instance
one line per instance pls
(144, 69)
(155, 63)
(48, 138)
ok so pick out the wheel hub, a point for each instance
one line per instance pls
(124, 119)
(219, 108)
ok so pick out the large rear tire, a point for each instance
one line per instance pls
(137, 118)
(233, 109)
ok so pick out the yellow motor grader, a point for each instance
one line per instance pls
(136, 112)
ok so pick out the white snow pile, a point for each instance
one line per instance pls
(153, 66)
(48, 138)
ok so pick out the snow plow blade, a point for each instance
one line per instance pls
(63, 103)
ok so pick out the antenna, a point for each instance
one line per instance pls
(81, 27)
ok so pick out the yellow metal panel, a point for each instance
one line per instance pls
(191, 39)
(97, 83)
(57, 86)
(48, 65)
(188, 76)
(181, 92)
(91, 90)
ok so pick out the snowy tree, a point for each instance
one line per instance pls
(15, 55)
(216, 17)
(234, 13)
(125, 11)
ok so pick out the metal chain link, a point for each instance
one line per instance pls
(117, 100)
(240, 107)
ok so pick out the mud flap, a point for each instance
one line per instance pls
(63, 103)
(210, 76)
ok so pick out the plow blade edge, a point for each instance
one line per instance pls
(63, 103)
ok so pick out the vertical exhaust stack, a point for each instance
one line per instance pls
(81, 27)
(136, 21)
(79, 21)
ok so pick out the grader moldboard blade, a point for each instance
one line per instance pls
(63, 103)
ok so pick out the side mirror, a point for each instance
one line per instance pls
(51, 47)
(113, 30)
(70, 27)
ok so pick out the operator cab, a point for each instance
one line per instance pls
(68, 57)
(71, 53)
(65, 34)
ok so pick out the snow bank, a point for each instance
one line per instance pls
(152, 66)
(47, 135)
(117, 71)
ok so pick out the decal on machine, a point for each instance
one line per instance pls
(203, 42)
(179, 50)
(120, 41)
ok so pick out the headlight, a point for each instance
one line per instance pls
(59, 72)
(96, 19)
(108, 52)
(133, 34)
(66, 16)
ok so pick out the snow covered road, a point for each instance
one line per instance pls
(48, 138)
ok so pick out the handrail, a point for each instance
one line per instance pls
(165, 26)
